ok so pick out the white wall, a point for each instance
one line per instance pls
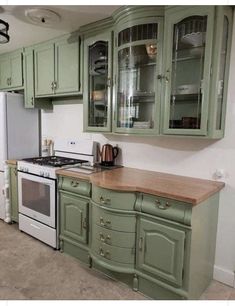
(190, 157)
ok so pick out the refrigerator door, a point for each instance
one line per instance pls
(3, 141)
(22, 128)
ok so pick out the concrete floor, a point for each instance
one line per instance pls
(30, 269)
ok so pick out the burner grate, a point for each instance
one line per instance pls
(54, 161)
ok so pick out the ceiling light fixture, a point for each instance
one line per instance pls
(4, 27)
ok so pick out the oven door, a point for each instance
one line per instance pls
(37, 198)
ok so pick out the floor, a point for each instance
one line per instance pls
(32, 270)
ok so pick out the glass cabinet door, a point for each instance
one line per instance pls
(137, 98)
(187, 74)
(97, 85)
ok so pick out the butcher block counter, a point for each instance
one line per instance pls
(182, 188)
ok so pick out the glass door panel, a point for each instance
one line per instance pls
(136, 75)
(98, 84)
(188, 56)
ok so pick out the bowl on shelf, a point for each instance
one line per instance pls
(195, 39)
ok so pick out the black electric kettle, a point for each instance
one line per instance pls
(108, 154)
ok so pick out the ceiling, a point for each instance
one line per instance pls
(24, 33)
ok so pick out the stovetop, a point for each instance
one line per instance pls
(54, 161)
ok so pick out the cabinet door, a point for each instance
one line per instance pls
(13, 193)
(44, 69)
(74, 217)
(5, 72)
(67, 65)
(28, 79)
(161, 250)
(137, 63)
(97, 82)
(16, 68)
(186, 78)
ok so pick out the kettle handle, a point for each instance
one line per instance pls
(115, 152)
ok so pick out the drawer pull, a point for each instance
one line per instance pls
(104, 201)
(102, 238)
(104, 223)
(108, 239)
(105, 254)
(74, 183)
(84, 224)
(162, 206)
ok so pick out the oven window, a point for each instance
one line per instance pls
(36, 196)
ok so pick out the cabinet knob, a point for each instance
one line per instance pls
(104, 201)
(162, 206)
(74, 183)
(141, 243)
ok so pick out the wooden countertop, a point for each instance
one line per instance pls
(182, 188)
(11, 162)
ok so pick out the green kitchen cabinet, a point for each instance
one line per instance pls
(98, 82)
(74, 217)
(192, 87)
(11, 70)
(56, 67)
(29, 96)
(137, 62)
(13, 192)
(161, 250)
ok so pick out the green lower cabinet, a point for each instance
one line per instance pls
(74, 217)
(161, 251)
(13, 192)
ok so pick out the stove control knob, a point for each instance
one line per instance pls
(41, 173)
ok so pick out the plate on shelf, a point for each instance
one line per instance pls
(195, 39)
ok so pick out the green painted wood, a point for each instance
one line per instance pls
(75, 251)
(111, 219)
(174, 15)
(106, 37)
(113, 238)
(167, 208)
(112, 253)
(74, 185)
(44, 69)
(67, 65)
(5, 71)
(113, 199)
(16, 66)
(13, 194)
(161, 250)
(74, 217)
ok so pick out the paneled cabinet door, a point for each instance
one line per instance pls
(161, 250)
(44, 69)
(74, 217)
(5, 71)
(16, 78)
(13, 193)
(67, 65)
(186, 76)
(98, 82)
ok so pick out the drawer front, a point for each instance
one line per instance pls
(113, 238)
(113, 199)
(75, 185)
(167, 208)
(112, 253)
(111, 220)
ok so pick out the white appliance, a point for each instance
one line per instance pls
(19, 135)
(37, 187)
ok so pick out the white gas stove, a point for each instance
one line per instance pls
(37, 187)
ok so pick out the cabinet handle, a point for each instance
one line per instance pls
(7, 81)
(107, 255)
(10, 81)
(141, 243)
(101, 252)
(84, 223)
(162, 206)
(55, 85)
(109, 82)
(31, 100)
(102, 237)
(108, 239)
(104, 223)
(104, 201)
(52, 85)
(74, 184)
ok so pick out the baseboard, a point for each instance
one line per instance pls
(224, 276)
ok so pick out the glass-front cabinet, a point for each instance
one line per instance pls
(97, 82)
(187, 70)
(137, 62)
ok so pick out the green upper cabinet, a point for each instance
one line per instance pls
(11, 70)
(137, 62)
(191, 74)
(98, 82)
(56, 67)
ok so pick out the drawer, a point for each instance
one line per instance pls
(113, 199)
(167, 208)
(105, 218)
(75, 185)
(112, 253)
(114, 238)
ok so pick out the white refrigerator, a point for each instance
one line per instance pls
(19, 134)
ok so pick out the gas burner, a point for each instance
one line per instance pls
(54, 161)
